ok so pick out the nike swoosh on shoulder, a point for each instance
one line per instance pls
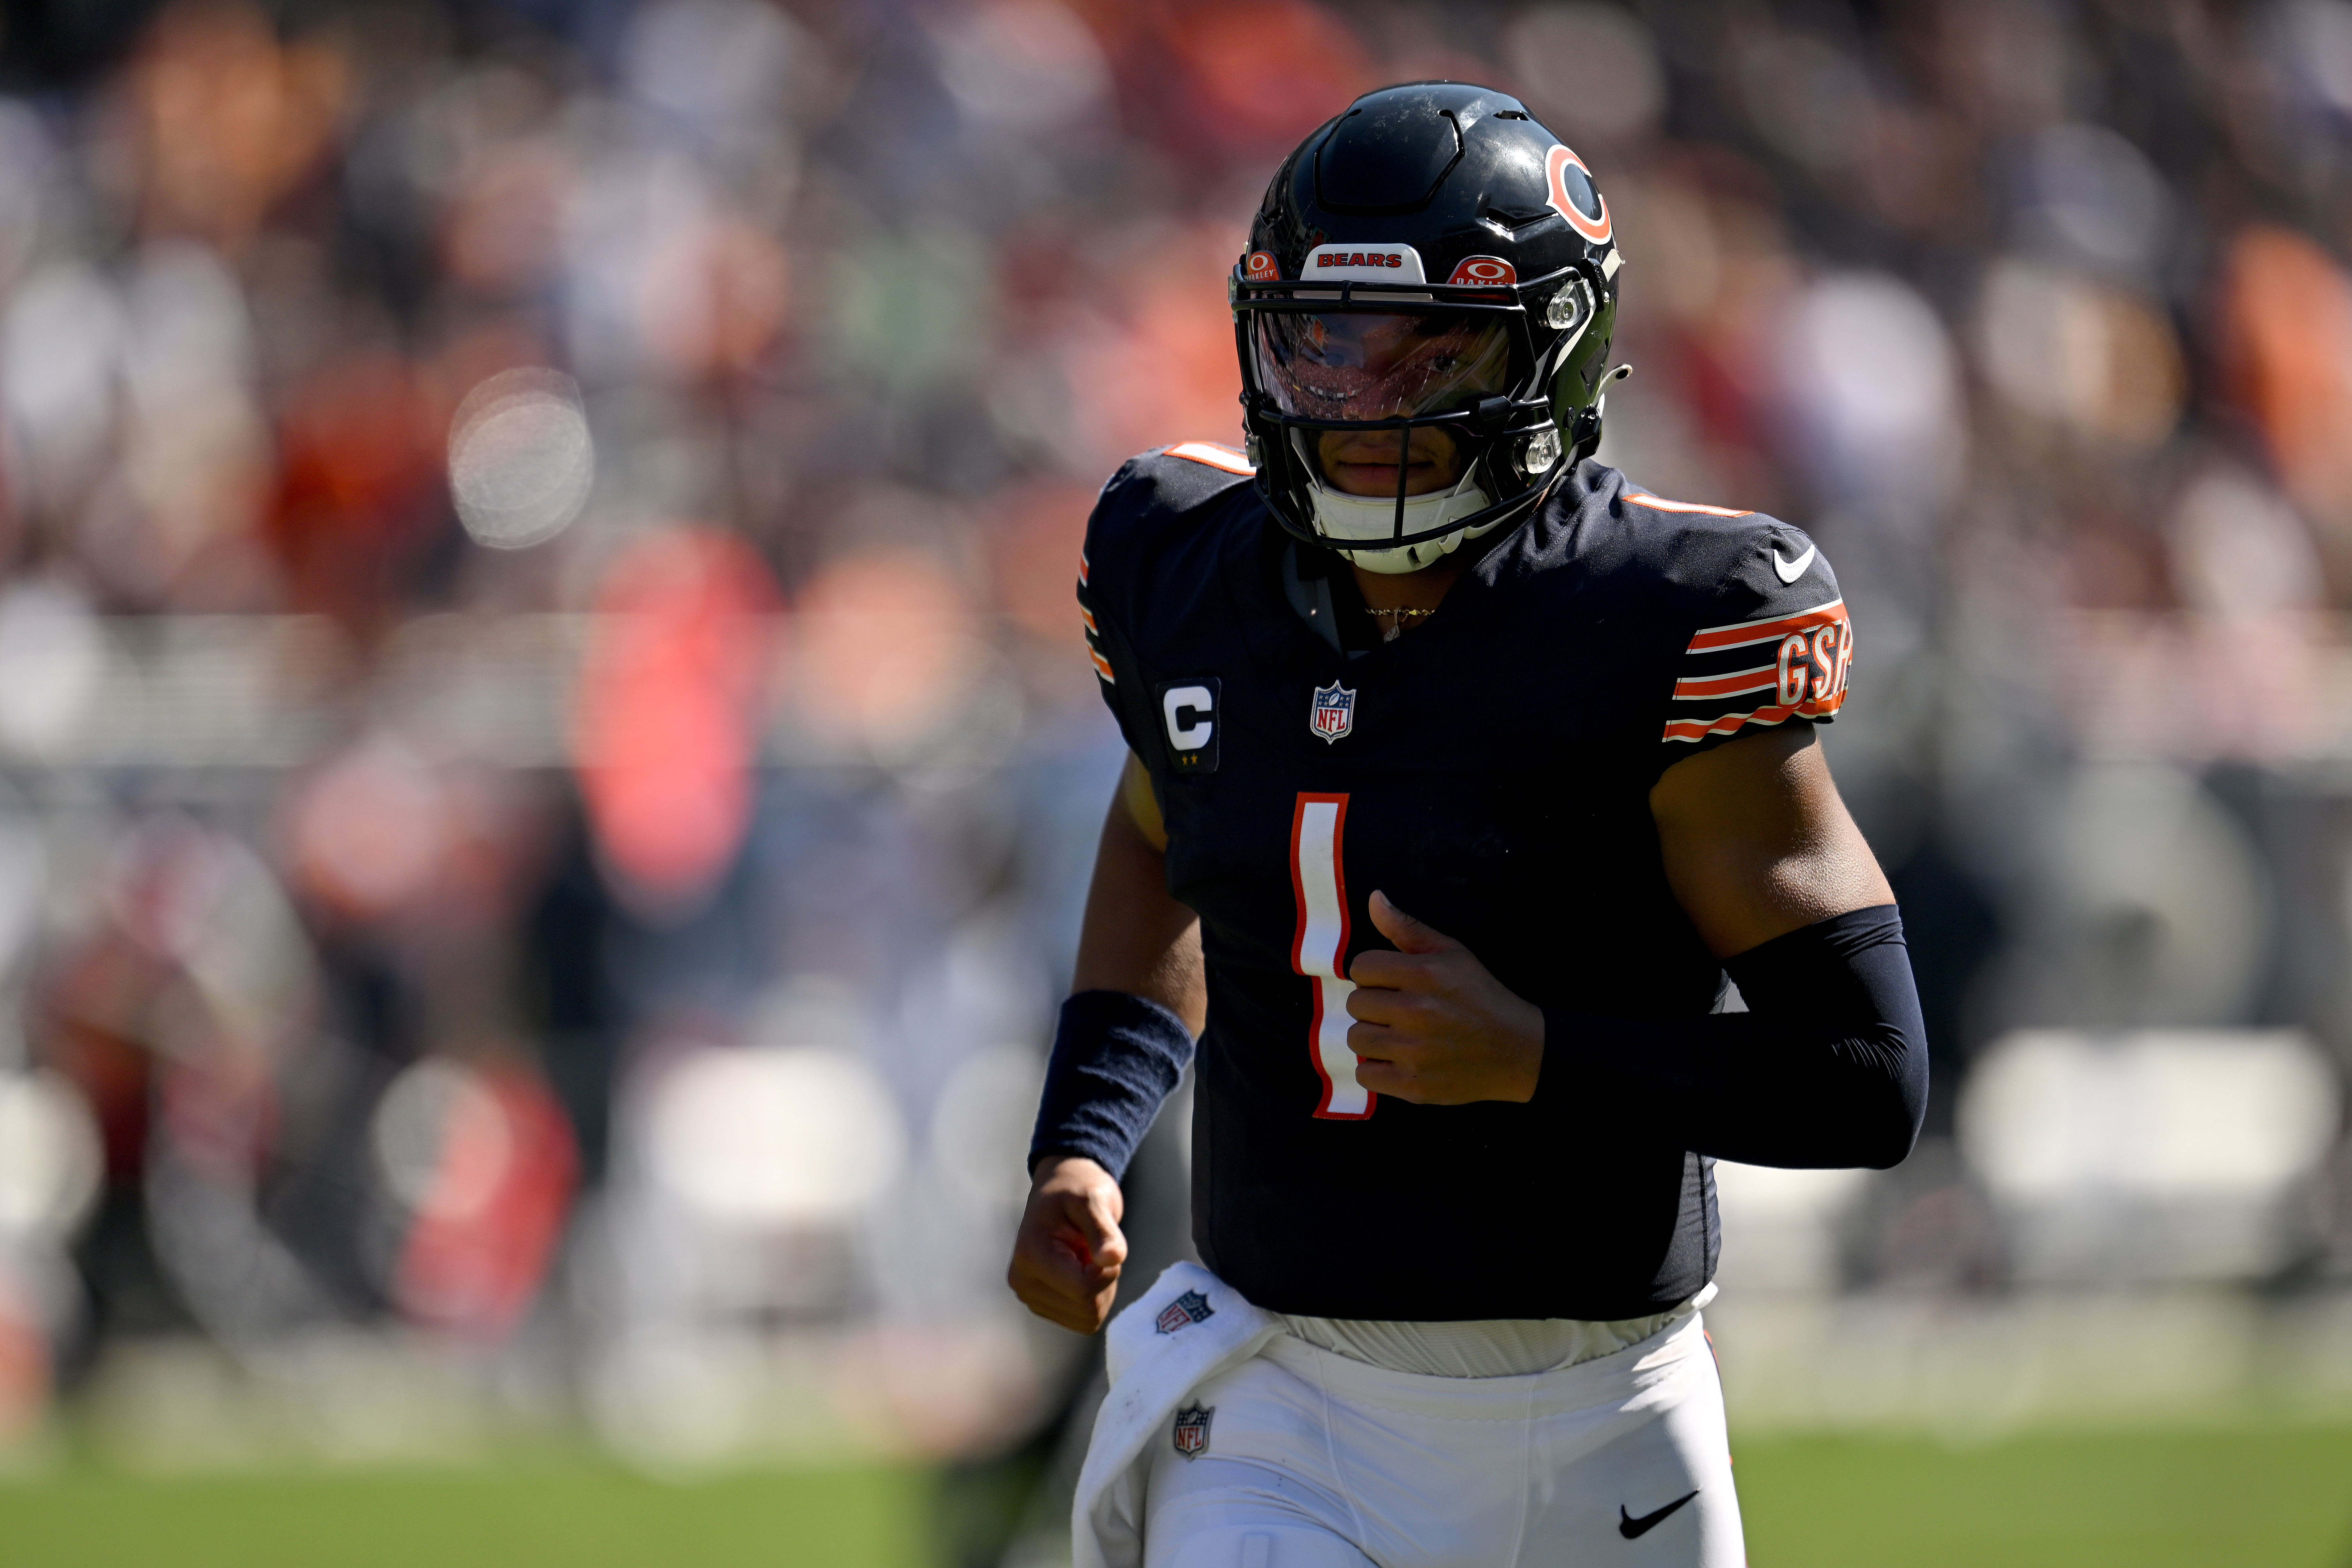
(1633, 1528)
(1789, 571)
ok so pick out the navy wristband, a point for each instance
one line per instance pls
(1116, 1057)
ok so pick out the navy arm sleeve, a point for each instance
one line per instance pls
(1116, 1057)
(1827, 1068)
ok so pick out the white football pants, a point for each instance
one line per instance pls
(1313, 1460)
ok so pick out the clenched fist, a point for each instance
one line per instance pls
(1432, 1027)
(1069, 1249)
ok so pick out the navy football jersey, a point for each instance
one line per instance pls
(1489, 770)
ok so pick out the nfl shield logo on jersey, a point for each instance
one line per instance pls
(1193, 1430)
(1183, 1312)
(1334, 713)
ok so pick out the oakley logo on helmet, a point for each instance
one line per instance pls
(1382, 263)
(1491, 269)
(1574, 196)
(1259, 267)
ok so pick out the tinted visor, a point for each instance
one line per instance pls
(1365, 366)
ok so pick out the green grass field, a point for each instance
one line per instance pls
(2276, 1497)
(2273, 1497)
(576, 1513)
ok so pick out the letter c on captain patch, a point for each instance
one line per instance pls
(1188, 712)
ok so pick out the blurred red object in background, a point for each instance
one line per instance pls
(361, 455)
(2287, 314)
(1035, 533)
(24, 1365)
(495, 1185)
(666, 715)
(1251, 77)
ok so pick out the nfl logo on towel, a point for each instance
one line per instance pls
(1193, 1430)
(1334, 713)
(1183, 1312)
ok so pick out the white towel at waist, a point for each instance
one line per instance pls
(1189, 1327)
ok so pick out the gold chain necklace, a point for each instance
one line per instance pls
(1398, 617)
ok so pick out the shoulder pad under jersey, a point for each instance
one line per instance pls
(1151, 500)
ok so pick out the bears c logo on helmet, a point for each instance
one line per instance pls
(1575, 197)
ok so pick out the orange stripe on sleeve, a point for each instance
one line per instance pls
(1692, 689)
(1102, 668)
(1710, 638)
(1212, 455)
(1658, 503)
(1696, 729)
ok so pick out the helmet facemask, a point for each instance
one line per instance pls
(1473, 382)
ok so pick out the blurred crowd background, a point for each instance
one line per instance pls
(547, 768)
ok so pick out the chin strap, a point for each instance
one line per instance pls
(1354, 525)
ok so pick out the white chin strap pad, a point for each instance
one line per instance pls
(1343, 518)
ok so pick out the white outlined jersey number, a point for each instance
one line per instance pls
(1319, 950)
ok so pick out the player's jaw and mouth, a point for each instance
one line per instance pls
(1364, 462)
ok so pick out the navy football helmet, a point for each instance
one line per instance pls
(1432, 262)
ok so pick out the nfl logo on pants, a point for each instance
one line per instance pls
(1334, 713)
(1193, 1430)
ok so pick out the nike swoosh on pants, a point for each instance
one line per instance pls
(1633, 1528)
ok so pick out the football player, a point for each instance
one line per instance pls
(1463, 770)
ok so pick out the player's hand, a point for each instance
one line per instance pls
(1068, 1252)
(1432, 1027)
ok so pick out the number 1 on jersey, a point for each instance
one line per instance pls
(1318, 879)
